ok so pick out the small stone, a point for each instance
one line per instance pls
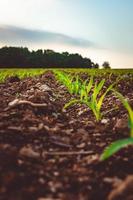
(56, 173)
(121, 124)
(81, 112)
(54, 186)
(80, 146)
(91, 158)
(55, 115)
(90, 124)
(41, 180)
(28, 152)
(40, 126)
(68, 131)
(31, 91)
(45, 88)
(20, 162)
(82, 131)
(104, 121)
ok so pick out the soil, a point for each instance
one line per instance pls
(47, 153)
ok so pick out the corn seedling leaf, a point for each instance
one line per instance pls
(89, 86)
(100, 101)
(83, 95)
(115, 147)
(128, 108)
(98, 88)
(71, 102)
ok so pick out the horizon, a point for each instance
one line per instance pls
(99, 30)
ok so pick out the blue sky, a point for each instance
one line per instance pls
(99, 29)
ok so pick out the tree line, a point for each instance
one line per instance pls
(22, 57)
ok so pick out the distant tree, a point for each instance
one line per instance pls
(96, 65)
(22, 57)
(106, 65)
(65, 53)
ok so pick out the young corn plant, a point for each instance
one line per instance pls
(65, 79)
(91, 100)
(82, 98)
(95, 102)
(72, 84)
(119, 144)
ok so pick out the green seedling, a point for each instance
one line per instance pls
(83, 92)
(95, 102)
(118, 145)
(73, 84)
(64, 79)
(115, 147)
(85, 89)
(91, 100)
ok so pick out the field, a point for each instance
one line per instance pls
(66, 134)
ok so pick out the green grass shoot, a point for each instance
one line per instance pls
(118, 145)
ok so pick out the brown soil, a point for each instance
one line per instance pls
(47, 153)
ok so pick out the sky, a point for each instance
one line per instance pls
(98, 29)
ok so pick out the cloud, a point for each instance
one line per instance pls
(11, 35)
